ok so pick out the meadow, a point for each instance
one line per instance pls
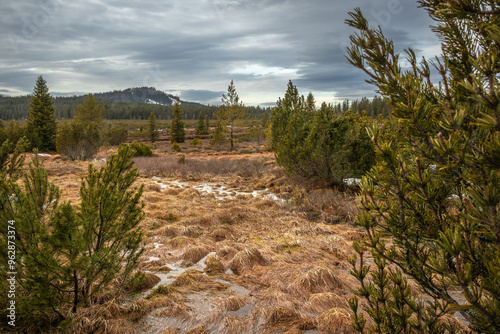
(231, 243)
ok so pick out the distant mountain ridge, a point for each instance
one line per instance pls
(149, 95)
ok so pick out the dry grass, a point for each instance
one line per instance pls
(294, 331)
(321, 302)
(167, 166)
(283, 318)
(190, 277)
(282, 254)
(142, 281)
(195, 254)
(198, 330)
(232, 303)
(180, 242)
(335, 320)
(221, 233)
(318, 280)
(214, 265)
(172, 331)
(247, 258)
(169, 231)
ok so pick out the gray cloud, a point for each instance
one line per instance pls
(197, 47)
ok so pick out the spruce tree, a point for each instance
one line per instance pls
(177, 131)
(41, 122)
(430, 206)
(153, 133)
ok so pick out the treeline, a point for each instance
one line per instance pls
(17, 108)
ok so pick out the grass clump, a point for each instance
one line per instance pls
(246, 258)
(335, 320)
(214, 265)
(141, 281)
(190, 277)
(194, 254)
(162, 290)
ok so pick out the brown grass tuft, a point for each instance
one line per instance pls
(335, 320)
(191, 231)
(214, 265)
(318, 280)
(233, 303)
(141, 281)
(283, 318)
(169, 231)
(194, 254)
(221, 233)
(172, 331)
(154, 187)
(294, 331)
(321, 302)
(246, 258)
(190, 277)
(180, 242)
(198, 330)
(227, 252)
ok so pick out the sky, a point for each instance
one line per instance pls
(194, 48)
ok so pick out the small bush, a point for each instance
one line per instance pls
(181, 159)
(196, 141)
(176, 147)
(114, 136)
(141, 149)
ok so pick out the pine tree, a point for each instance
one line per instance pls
(153, 128)
(430, 206)
(318, 144)
(177, 131)
(218, 135)
(207, 124)
(232, 112)
(41, 123)
(70, 256)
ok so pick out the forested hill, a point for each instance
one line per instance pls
(132, 103)
(138, 103)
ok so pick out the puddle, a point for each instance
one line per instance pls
(220, 192)
(169, 278)
(243, 312)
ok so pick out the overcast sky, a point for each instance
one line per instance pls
(193, 48)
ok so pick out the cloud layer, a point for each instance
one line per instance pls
(195, 47)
